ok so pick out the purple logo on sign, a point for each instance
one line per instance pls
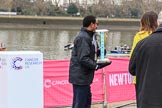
(16, 63)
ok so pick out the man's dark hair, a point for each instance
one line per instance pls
(88, 20)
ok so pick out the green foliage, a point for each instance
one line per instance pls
(30, 11)
(134, 13)
(72, 9)
(17, 9)
(51, 11)
(117, 12)
(56, 11)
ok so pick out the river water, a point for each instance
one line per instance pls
(51, 41)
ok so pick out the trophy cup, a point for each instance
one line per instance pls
(102, 39)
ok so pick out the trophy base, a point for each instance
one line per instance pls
(106, 60)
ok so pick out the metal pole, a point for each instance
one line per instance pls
(105, 89)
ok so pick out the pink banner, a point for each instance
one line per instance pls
(119, 81)
(58, 91)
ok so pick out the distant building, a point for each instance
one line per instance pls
(8, 13)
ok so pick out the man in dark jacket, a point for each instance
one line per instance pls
(83, 63)
(146, 64)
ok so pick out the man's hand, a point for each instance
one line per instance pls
(102, 65)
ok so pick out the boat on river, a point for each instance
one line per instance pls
(125, 49)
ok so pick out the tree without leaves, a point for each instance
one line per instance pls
(133, 8)
(56, 2)
(20, 5)
(5, 5)
(41, 6)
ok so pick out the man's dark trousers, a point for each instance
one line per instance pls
(82, 96)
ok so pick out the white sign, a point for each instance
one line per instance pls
(21, 79)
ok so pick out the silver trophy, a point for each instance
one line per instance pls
(102, 40)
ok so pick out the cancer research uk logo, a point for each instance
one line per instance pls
(16, 63)
(19, 63)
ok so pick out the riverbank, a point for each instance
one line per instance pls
(47, 22)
